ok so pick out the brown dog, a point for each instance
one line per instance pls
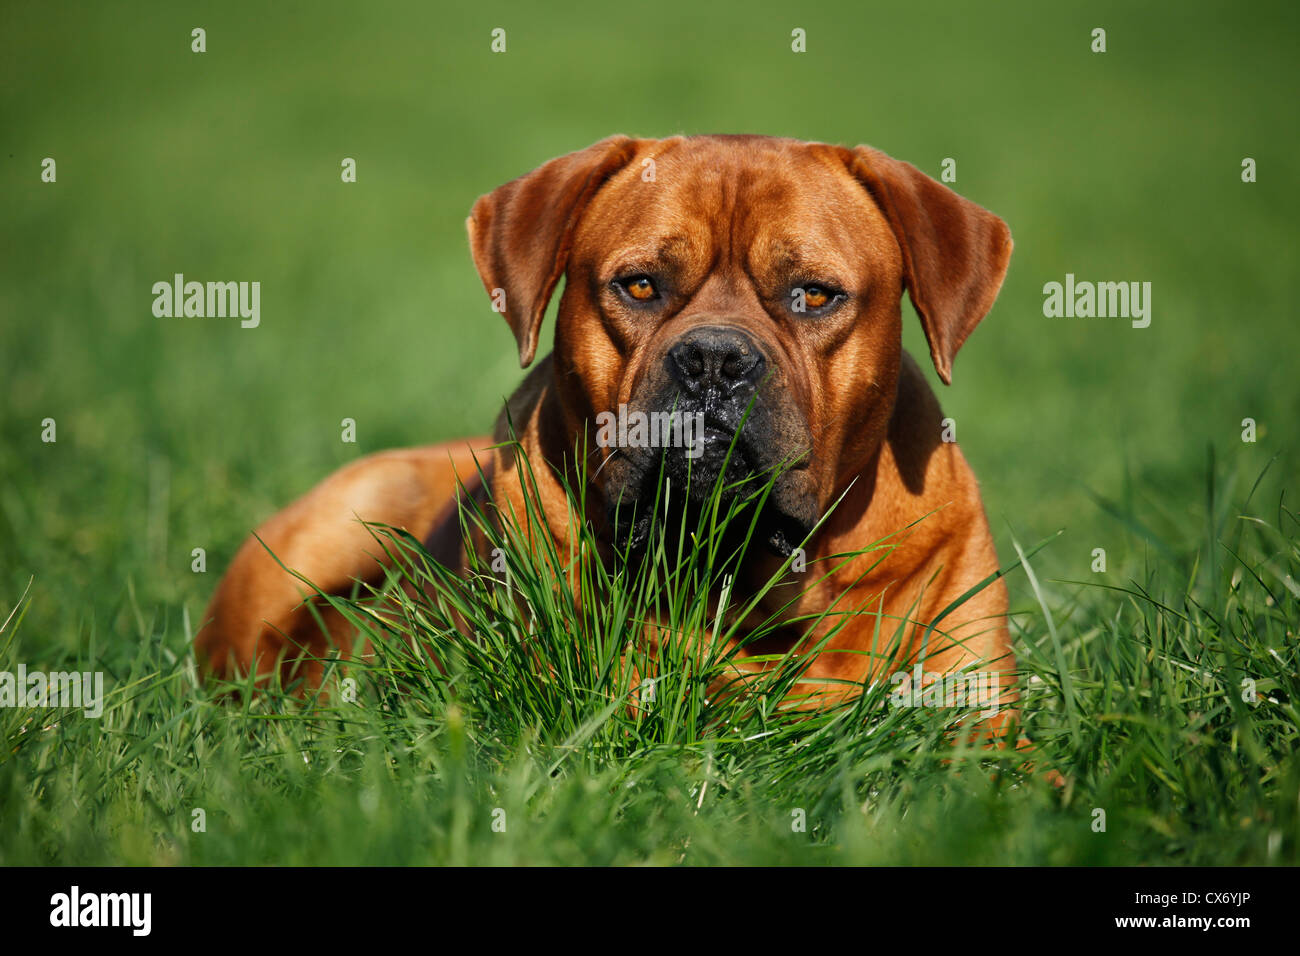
(720, 277)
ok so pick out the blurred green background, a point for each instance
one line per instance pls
(182, 433)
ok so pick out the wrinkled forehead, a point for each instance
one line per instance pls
(760, 203)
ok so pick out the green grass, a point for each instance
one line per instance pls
(529, 742)
(180, 434)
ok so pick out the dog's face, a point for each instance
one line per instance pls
(753, 282)
(742, 296)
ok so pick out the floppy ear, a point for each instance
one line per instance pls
(955, 253)
(520, 233)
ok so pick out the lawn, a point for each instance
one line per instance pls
(1163, 687)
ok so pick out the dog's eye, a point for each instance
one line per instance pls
(640, 288)
(814, 298)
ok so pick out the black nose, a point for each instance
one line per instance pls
(716, 357)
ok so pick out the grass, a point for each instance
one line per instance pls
(530, 744)
(176, 435)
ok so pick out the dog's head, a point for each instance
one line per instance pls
(733, 302)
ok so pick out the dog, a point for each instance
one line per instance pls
(752, 285)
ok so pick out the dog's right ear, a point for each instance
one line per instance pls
(520, 233)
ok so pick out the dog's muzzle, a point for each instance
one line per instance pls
(715, 372)
(717, 384)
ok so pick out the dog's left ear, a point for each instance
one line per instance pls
(955, 253)
(520, 233)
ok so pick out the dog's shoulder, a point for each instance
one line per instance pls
(922, 457)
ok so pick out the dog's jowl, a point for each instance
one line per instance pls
(751, 294)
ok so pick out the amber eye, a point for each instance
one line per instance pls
(640, 288)
(815, 299)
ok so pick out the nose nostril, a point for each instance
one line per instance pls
(689, 359)
(742, 364)
(724, 357)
